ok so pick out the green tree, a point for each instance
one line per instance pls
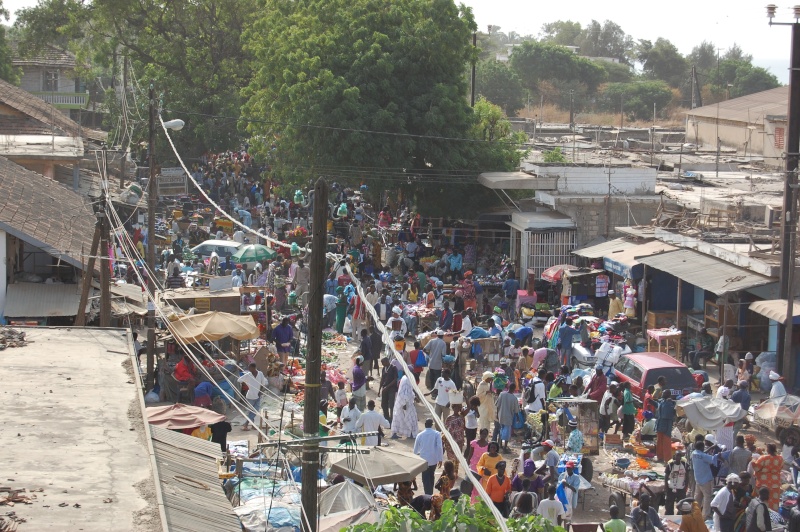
(735, 53)
(7, 70)
(562, 32)
(703, 56)
(662, 61)
(606, 40)
(499, 84)
(536, 62)
(616, 72)
(736, 78)
(554, 156)
(637, 98)
(190, 50)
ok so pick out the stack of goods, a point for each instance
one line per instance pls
(11, 338)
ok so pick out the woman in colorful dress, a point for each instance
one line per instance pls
(767, 471)
(477, 448)
(454, 423)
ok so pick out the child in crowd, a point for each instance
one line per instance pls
(341, 401)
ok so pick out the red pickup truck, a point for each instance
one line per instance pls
(644, 369)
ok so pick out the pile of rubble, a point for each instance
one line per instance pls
(11, 338)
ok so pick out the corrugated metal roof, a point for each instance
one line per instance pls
(708, 273)
(775, 309)
(190, 485)
(626, 263)
(39, 300)
(599, 250)
(748, 109)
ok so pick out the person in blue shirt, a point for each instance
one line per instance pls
(523, 334)
(455, 263)
(703, 477)
(565, 335)
(511, 289)
(331, 284)
(742, 397)
(446, 317)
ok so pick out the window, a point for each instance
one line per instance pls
(779, 134)
(634, 371)
(50, 81)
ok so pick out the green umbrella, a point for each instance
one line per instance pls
(253, 253)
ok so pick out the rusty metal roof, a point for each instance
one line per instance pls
(43, 213)
(750, 109)
(190, 485)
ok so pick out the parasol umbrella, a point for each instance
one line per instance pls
(553, 273)
(710, 413)
(341, 520)
(213, 326)
(782, 411)
(344, 496)
(253, 253)
(180, 416)
(380, 466)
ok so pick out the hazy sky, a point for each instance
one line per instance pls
(684, 22)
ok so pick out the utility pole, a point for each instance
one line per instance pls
(105, 296)
(152, 194)
(88, 273)
(572, 121)
(310, 459)
(608, 202)
(124, 115)
(474, 47)
(787, 364)
(717, 120)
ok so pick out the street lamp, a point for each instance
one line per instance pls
(786, 362)
(152, 200)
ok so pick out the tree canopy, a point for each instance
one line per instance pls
(7, 70)
(501, 85)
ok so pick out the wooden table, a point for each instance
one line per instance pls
(665, 336)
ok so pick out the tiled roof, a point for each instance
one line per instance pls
(42, 212)
(25, 102)
(49, 56)
(25, 125)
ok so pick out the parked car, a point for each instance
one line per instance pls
(644, 369)
(222, 247)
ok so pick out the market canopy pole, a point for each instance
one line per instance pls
(310, 461)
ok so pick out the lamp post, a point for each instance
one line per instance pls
(152, 200)
(786, 362)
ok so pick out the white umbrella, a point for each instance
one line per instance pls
(710, 413)
(380, 466)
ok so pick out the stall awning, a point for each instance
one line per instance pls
(601, 250)
(40, 300)
(775, 309)
(625, 262)
(708, 273)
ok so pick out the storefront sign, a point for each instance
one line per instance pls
(202, 304)
(172, 182)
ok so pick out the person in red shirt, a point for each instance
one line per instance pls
(185, 370)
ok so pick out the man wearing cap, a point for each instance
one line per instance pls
(575, 439)
(572, 483)
(691, 516)
(778, 389)
(741, 397)
(724, 505)
(551, 460)
(436, 349)
(428, 446)
(703, 477)
(614, 305)
(675, 481)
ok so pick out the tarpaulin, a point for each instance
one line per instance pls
(710, 413)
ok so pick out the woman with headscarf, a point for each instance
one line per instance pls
(767, 470)
(359, 384)
(487, 411)
(404, 419)
(468, 288)
(528, 473)
(454, 423)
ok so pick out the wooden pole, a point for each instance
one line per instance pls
(105, 294)
(678, 314)
(80, 318)
(310, 460)
(152, 194)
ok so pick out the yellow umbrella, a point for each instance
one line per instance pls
(212, 326)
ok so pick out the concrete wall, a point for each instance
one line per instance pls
(32, 79)
(581, 179)
(589, 214)
(757, 141)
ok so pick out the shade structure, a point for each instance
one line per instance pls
(180, 416)
(781, 411)
(253, 253)
(710, 413)
(380, 466)
(213, 326)
(340, 520)
(344, 496)
(553, 273)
